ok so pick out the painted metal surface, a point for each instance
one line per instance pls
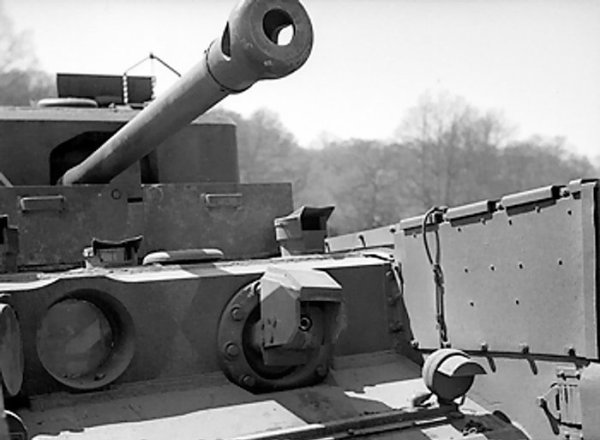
(521, 279)
(203, 224)
(279, 331)
(377, 387)
(86, 212)
(205, 150)
(11, 351)
(514, 385)
(74, 339)
(167, 318)
(590, 401)
(104, 212)
(303, 231)
(521, 297)
(139, 352)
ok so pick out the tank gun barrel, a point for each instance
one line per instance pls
(249, 50)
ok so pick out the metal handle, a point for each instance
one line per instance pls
(230, 200)
(42, 203)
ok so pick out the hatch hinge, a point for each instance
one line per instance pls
(562, 403)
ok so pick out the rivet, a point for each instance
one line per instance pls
(248, 381)
(492, 267)
(571, 350)
(414, 344)
(115, 194)
(396, 327)
(305, 323)
(520, 265)
(484, 346)
(232, 350)
(524, 348)
(321, 370)
(236, 313)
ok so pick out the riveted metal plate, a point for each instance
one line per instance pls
(56, 223)
(215, 217)
(523, 281)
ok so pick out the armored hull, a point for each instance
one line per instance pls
(147, 293)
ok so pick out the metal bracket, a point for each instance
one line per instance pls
(562, 402)
(105, 253)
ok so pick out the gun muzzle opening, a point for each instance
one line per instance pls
(265, 39)
(279, 27)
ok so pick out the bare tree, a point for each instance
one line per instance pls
(454, 146)
(448, 153)
(363, 179)
(268, 152)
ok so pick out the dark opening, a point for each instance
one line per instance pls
(278, 27)
(72, 152)
(311, 222)
(226, 42)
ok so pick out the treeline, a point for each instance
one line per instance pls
(445, 152)
(22, 81)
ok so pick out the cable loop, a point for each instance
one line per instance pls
(438, 274)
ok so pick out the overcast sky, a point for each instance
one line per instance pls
(537, 62)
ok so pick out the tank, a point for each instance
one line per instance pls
(147, 294)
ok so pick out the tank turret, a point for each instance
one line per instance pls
(155, 173)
